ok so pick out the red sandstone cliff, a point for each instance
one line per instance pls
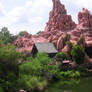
(26, 43)
(57, 27)
(83, 28)
(58, 18)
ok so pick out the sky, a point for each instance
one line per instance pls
(32, 15)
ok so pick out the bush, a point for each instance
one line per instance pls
(52, 72)
(9, 58)
(81, 41)
(69, 44)
(1, 89)
(61, 56)
(31, 68)
(28, 82)
(37, 66)
(36, 72)
(8, 67)
(42, 58)
(78, 54)
(69, 74)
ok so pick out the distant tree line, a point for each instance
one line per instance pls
(6, 37)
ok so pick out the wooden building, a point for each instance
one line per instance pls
(48, 48)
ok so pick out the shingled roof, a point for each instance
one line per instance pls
(46, 47)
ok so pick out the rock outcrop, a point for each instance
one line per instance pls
(57, 27)
(58, 18)
(84, 28)
(59, 23)
(26, 43)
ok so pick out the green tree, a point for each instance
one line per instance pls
(5, 32)
(32, 73)
(9, 67)
(8, 59)
(5, 35)
(36, 66)
(81, 41)
(22, 33)
(61, 56)
(78, 54)
(69, 44)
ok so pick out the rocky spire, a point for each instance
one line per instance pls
(83, 28)
(58, 19)
(61, 9)
(55, 32)
(85, 18)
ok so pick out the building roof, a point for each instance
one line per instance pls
(66, 61)
(46, 47)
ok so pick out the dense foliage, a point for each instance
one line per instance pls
(21, 71)
(36, 72)
(22, 33)
(78, 54)
(6, 37)
(8, 67)
(61, 56)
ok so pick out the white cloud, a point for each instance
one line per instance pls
(33, 15)
(80, 3)
(84, 3)
(33, 12)
(2, 11)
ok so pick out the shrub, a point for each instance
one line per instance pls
(8, 67)
(69, 74)
(32, 73)
(28, 82)
(37, 82)
(81, 41)
(9, 59)
(52, 72)
(1, 89)
(9, 54)
(78, 54)
(61, 56)
(69, 44)
(42, 58)
(37, 66)
(31, 68)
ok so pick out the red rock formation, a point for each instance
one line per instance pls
(59, 20)
(58, 25)
(85, 18)
(26, 43)
(83, 28)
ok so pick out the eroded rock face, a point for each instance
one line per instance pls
(58, 26)
(83, 28)
(58, 18)
(85, 18)
(26, 43)
(58, 23)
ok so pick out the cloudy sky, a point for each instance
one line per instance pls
(32, 15)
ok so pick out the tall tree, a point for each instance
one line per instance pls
(22, 33)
